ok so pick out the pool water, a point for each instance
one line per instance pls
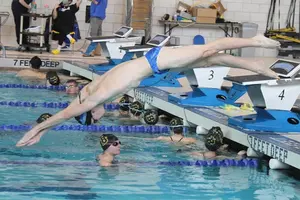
(131, 178)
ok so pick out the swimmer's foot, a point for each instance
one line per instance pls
(259, 67)
(265, 42)
(55, 51)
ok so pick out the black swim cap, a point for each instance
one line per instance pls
(176, 125)
(53, 78)
(35, 62)
(136, 108)
(124, 103)
(214, 139)
(106, 140)
(43, 117)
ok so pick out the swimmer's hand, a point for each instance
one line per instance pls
(30, 138)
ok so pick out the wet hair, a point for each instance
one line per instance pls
(35, 62)
(214, 139)
(176, 125)
(43, 117)
(106, 140)
(72, 81)
(53, 78)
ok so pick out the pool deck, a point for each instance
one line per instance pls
(284, 147)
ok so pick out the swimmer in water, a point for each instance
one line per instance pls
(43, 117)
(111, 147)
(214, 144)
(52, 78)
(40, 119)
(121, 79)
(34, 71)
(72, 87)
(176, 126)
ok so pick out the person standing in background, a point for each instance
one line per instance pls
(18, 8)
(98, 14)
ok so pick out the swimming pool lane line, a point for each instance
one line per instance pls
(107, 107)
(26, 86)
(97, 128)
(253, 163)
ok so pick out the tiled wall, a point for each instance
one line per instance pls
(237, 10)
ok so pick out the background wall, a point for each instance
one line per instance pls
(237, 10)
(115, 18)
(255, 11)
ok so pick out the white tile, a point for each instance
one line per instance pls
(119, 9)
(108, 26)
(247, 7)
(229, 16)
(242, 16)
(157, 30)
(110, 9)
(234, 6)
(178, 31)
(167, 3)
(264, 8)
(258, 17)
(184, 40)
(159, 12)
(267, 2)
(116, 26)
(118, 2)
(190, 32)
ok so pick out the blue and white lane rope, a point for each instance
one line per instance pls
(108, 107)
(253, 163)
(97, 128)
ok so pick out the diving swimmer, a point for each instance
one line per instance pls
(120, 79)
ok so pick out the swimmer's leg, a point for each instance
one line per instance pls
(184, 56)
(257, 66)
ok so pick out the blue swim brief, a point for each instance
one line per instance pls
(151, 56)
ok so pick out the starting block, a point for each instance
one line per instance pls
(166, 79)
(110, 48)
(272, 99)
(206, 84)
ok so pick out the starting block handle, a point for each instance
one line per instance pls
(235, 92)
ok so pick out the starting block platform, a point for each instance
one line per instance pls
(284, 147)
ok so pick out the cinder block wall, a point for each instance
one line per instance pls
(255, 11)
(237, 10)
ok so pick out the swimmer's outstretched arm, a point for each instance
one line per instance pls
(74, 109)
